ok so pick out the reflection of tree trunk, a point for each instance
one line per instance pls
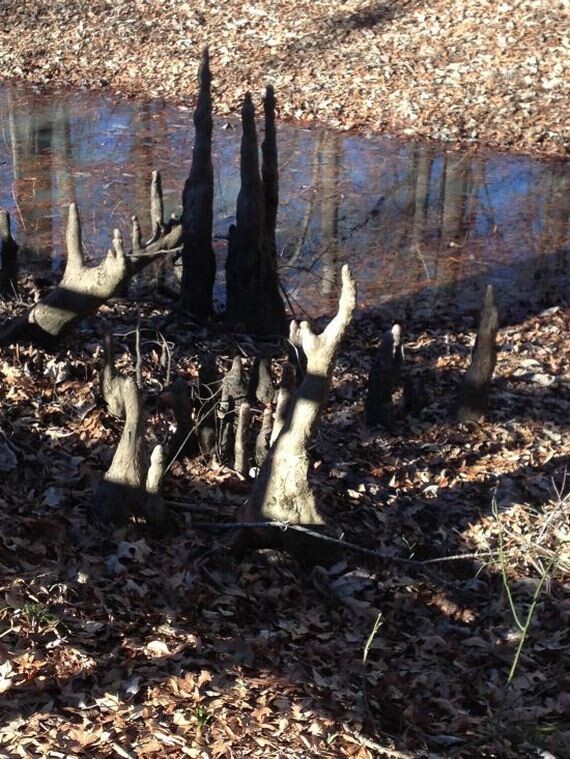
(13, 137)
(309, 211)
(422, 196)
(405, 204)
(32, 142)
(63, 156)
(554, 227)
(142, 155)
(553, 213)
(454, 194)
(396, 216)
(456, 188)
(476, 181)
(329, 202)
(44, 189)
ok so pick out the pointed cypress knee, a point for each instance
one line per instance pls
(260, 382)
(270, 170)
(253, 298)
(198, 260)
(8, 257)
(384, 377)
(474, 390)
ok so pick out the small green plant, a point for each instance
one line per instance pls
(202, 716)
(39, 617)
(34, 617)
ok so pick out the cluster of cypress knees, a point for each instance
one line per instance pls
(214, 416)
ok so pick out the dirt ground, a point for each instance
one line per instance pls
(482, 73)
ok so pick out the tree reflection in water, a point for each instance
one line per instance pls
(422, 226)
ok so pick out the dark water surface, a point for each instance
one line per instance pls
(422, 226)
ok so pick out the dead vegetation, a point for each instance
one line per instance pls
(488, 73)
(130, 628)
(115, 642)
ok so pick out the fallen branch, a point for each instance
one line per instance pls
(286, 527)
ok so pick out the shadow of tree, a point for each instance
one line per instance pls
(179, 632)
(155, 626)
(335, 28)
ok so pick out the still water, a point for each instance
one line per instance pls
(422, 226)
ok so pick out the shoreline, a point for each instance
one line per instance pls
(404, 135)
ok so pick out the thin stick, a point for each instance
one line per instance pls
(369, 642)
(524, 632)
(337, 541)
(165, 347)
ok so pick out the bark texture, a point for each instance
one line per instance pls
(415, 394)
(241, 450)
(205, 401)
(253, 298)
(384, 377)
(121, 491)
(111, 384)
(261, 384)
(474, 390)
(263, 439)
(282, 491)
(185, 439)
(234, 393)
(8, 257)
(155, 511)
(198, 260)
(284, 399)
(83, 289)
(295, 352)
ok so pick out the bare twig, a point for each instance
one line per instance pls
(337, 541)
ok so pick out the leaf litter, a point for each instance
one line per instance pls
(477, 73)
(113, 643)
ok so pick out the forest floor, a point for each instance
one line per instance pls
(114, 644)
(478, 73)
